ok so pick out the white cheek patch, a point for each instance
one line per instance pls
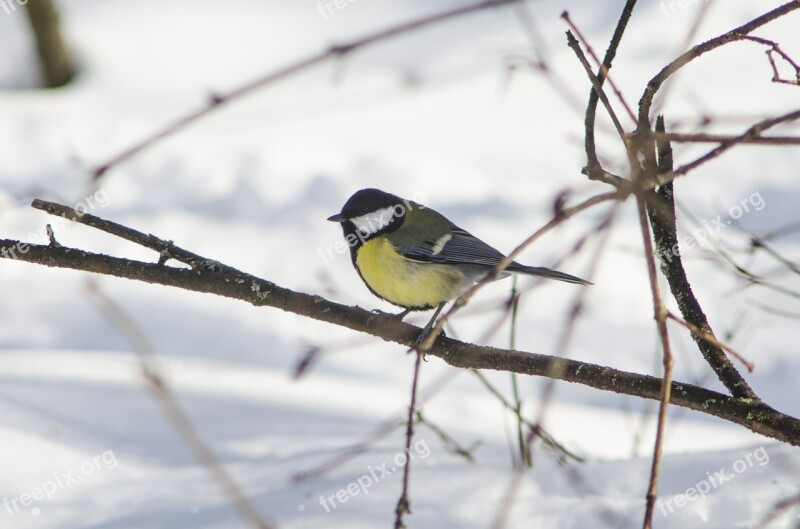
(375, 221)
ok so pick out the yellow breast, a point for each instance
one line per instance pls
(405, 282)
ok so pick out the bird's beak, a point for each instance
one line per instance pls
(336, 218)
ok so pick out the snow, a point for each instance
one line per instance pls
(431, 115)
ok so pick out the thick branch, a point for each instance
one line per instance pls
(662, 218)
(228, 282)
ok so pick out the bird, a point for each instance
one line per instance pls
(414, 257)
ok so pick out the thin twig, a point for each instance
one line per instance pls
(594, 170)
(775, 48)
(565, 338)
(654, 85)
(601, 67)
(757, 242)
(217, 100)
(381, 431)
(403, 504)
(524, 453)
(172, 409)
(563, 88)
(573, 43)
(777, 510)
(560, 217)
(660, 314)
(450, 444)
(753, 132)
(721, 138)
(707, 336)
(548, 440)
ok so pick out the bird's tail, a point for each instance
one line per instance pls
(546, 272)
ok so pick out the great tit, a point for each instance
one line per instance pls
(414, 257)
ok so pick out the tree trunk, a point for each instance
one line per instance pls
(54, 56)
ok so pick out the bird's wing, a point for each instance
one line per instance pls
(455, 247)
(461, 247)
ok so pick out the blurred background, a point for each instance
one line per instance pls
(453, 116)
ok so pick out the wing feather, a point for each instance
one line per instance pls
(461, 248)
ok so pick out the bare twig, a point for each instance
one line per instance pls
(503, 512)
(217, 100)
(382, 430)
(173, 411)
(721, 138)
(602, 68)
(778, 312)
(777, 511)
(757, 242)
(560, 217)
(403, 504)
(450, 444)
(654, 85)
(776, 49)
(548, 440)
(707, 336)
(524, 453)
(594, 170)
(696, 23)
(753, 132)
(660, 315)
(573, 43)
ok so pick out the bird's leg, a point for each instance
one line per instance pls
(427, 329)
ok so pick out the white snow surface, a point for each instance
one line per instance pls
(431, 116)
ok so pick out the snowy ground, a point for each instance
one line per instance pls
(432, 116)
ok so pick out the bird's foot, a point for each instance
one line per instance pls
(399, 316)
(425, 333)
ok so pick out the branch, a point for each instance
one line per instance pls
(217, 100)
(593, 168)
(775, 48)
(175, 414)
(662, 218)
(572, 42)
(216, 278)
(751, 133)
(711, 338)
(660, 316)
(403, 504)
(603, 69)
(739, 33)
(721, 138)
